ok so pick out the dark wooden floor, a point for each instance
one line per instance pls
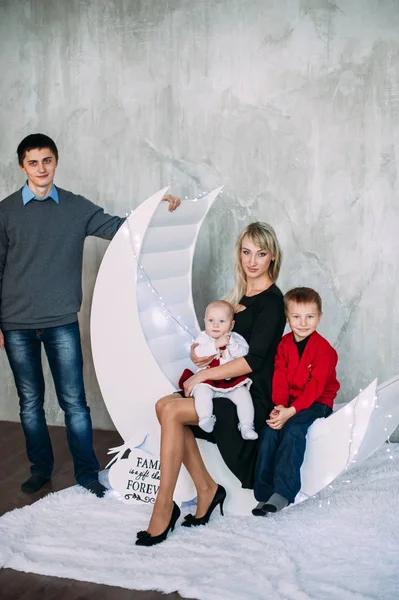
(14, 468)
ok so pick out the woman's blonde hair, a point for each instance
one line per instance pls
(263, 236)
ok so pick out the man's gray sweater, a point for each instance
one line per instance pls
(41, 254)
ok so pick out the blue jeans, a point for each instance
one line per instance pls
(64, 353)
(281, 454)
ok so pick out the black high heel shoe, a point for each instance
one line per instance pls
(218, 499)
(146, 539)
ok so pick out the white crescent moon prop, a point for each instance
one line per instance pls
(142, 294)
(139, 351)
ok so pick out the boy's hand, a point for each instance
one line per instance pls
(275, 412)
(223, 341)
(277, 421)
(1, 340)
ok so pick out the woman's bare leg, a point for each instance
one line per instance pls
(173, 417)
(204, 484)
(192, 460)
(178, 444)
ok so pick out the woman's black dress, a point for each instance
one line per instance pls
(262, 325)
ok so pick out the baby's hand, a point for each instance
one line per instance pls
(202, 361)
(223, 341)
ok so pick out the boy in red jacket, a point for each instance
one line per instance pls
(303, 390)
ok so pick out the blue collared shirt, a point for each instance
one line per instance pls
(28, 195)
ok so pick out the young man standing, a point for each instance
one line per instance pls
(42, 233)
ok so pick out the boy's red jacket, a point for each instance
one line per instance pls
(299, 383)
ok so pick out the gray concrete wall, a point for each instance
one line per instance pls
(293, 105)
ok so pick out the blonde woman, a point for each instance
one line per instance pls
(259, 318)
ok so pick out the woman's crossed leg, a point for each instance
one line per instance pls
(178, 446)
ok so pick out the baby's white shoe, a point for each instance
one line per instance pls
(208, 423)
(247, 431)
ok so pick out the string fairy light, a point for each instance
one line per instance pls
(351, 460)
(142, 273)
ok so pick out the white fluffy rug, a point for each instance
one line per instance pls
(341, 545)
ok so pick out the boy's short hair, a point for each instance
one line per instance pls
(36, 140)
(222, 304)
(302, 295)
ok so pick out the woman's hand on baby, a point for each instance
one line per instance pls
(279, 416)
(190, 383)
(202, 361)
(224, 340)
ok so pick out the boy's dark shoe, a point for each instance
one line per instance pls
(258, 510)
(275, 503)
